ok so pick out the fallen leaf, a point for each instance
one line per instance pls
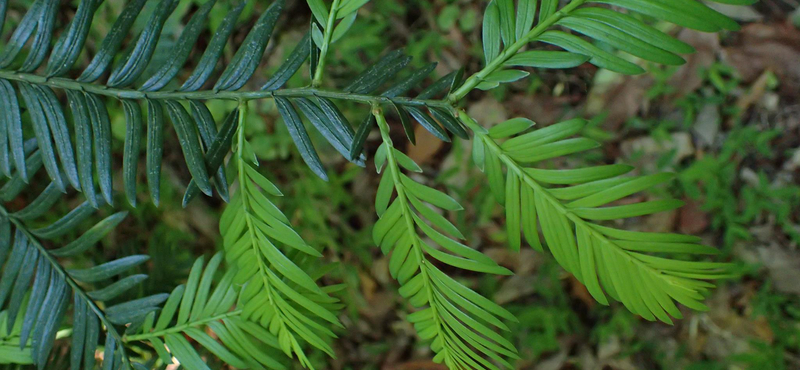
(688, 77)
(620, 97)
(579, 291)
(661, 222)
(426, 148)
(692, 220)
(488, 112)
(707, 124)
(645, 151)
(783, 267)
(368, 285)
(774, 46)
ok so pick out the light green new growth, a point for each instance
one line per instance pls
(459, 322)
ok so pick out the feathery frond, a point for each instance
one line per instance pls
(32, 274)
(460, 323)
(278, 294)
(567, 205)
(88, 159)
(508, 29)
(194, 309)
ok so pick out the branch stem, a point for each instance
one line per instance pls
(180, 328)
(68, 84)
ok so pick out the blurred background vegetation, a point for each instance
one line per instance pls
(727, 123)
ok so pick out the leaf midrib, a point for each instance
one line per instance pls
(180, 328)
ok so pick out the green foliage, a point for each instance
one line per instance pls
(269, 299)
(458, 322)
(732, 196)
(10, 352)
(193, 309)
(602, 258)
(33, 274)
(505, 34)
(278, 293)
(715, 177)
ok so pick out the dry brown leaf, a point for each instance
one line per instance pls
(692, 220)
(426, 148)
(774, 47)
(688, 77)
(368, 286)
(579, 291)
(783, 266)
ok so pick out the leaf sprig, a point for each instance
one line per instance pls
(460, 323)
(87, 160)
(36, 289)
(279, 294)
(325, 31)
(193, 309)
(567, 205)
(508, 29)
